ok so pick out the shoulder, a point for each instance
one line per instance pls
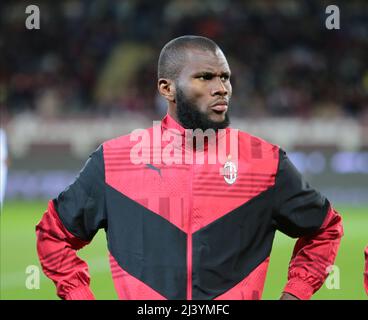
(257, 146)
(118, 142)
(126, 141)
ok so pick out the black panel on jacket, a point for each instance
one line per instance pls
(81, 206)
(299, 209)
(228, 249)
(146, 245)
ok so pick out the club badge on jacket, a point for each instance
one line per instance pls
(230, 171)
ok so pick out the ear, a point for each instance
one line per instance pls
(167, 89)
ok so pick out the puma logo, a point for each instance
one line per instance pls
(148, 165)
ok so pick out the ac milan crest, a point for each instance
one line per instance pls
(230, 171)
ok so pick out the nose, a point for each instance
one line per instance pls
(219, 88)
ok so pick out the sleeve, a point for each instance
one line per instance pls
(302, 212)
(69, 223)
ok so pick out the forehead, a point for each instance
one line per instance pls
(197, 60)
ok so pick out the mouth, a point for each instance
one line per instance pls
(219, 108)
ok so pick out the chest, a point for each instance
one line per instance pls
(192, 195)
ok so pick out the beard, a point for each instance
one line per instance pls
(191, 118)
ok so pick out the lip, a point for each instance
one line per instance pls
(220, 107)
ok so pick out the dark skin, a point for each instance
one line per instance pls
(205, 80)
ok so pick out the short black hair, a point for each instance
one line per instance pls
(172, 56)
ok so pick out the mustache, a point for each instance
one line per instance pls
(220, 102)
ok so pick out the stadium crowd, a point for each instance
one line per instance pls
(99, 57)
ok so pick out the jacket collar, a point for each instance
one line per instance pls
(169, 123)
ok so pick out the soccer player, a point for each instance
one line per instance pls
(3, 165)
(178, 228)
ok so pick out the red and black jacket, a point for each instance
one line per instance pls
(179, 231)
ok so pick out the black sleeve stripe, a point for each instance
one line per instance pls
(299, 209)
(81, 206)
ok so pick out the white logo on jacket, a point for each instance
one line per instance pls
(230, 171)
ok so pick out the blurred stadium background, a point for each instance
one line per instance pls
(88, 74)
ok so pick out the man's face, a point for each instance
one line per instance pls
(203, 90)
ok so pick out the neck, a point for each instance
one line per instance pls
(172, 112)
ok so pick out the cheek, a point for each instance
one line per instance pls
(229, 89)
(203, 99)
(198, 94)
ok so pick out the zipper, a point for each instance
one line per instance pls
(189, 239)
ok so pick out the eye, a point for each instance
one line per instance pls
(225, 77)
(206, 76)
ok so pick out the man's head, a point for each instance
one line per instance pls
(194, 76)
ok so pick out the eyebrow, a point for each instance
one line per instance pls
(212, 73)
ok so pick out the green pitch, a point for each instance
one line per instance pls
(18, 252)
